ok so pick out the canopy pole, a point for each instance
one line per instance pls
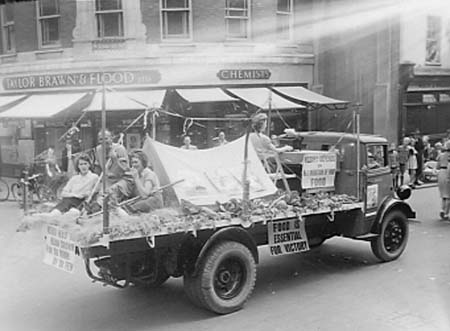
(358, 152)
(154, 125)
(269, 119)
(105, 199)
(245, 181)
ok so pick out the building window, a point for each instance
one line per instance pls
(48, 22)
(109, 14)
(284, 19)
(176, 19)
(237, 19)
(433, 42)
(7, 23)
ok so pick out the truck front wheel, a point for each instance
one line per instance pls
(225, 279)
(391, 242)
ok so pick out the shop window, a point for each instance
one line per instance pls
(433, 42)
(284, 19)
(48, 22)
(176, 19)
(109, 15)
(237, 17)
(7, 24)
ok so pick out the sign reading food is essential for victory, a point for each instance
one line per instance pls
(287, 237)
(319, 170)
(59, 248)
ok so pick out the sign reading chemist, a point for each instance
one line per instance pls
(243, 74)
(82, 79)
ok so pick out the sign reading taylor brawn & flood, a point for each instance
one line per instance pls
(81, 79)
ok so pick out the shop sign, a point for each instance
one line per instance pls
(243, 74)
(82, 79)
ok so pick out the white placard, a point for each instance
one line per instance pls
(372, 196)
(318, 170)
(287, 237)
(59, 248)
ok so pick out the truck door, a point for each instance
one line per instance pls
(378, 176)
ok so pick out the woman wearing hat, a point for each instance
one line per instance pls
(262, 143)
(444, 180)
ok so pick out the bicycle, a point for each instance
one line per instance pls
(4, 190)
(42, 191)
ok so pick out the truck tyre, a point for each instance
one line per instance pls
(394, 233)
(226, 278)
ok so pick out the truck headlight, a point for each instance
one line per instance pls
(403, 192)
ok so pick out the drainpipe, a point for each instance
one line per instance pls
(405, 77)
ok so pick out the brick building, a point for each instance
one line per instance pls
(192, 58)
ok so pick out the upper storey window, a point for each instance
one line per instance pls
(176, 19)
(237, 17)
(7, 24)
(433, 43)
(284, 19)
(48, 21)
(109, 14)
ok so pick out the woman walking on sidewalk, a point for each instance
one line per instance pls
(444, 180)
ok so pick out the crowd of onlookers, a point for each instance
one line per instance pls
(411, 156)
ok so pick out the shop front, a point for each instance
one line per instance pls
(37, 110)
(428, 103)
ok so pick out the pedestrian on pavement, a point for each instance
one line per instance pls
(427, 149)
(411, 165)
(394, 163)
(220, 140)
(444, 181)
(187, 144)
(403, 155)
(419, 147)
(435, 151)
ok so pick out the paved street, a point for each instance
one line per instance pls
(339, 286)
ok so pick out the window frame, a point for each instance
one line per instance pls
(40, 18)
(384, 148)
(164, 25)
(5, 25)
(99, 13)
(437, 39)
(230, 17)
(290, 16)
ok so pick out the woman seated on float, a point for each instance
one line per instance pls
(146, 182)
(262, 143)
(78, 188)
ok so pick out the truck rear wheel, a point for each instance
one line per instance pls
(394, 232)
(225, 279)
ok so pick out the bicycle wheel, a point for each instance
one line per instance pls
(4, 190)
(17, 191)
(45, 193)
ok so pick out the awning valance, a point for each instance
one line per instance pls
(264, 98)
(127, 100)
(43, 105)
(304, 95)
(6, 100)
(205, 95)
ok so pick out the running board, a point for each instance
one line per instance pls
(367, 237)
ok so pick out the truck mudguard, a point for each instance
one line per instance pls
(229, 234)
(389, 204)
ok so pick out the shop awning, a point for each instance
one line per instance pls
(6, 100)
(205, 95)
(127, 100)
(43, 105)
(264, 98)
(304, 95)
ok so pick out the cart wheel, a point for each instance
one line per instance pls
(45, 193)
(225, 279)
(4, 190)
(391, 242)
